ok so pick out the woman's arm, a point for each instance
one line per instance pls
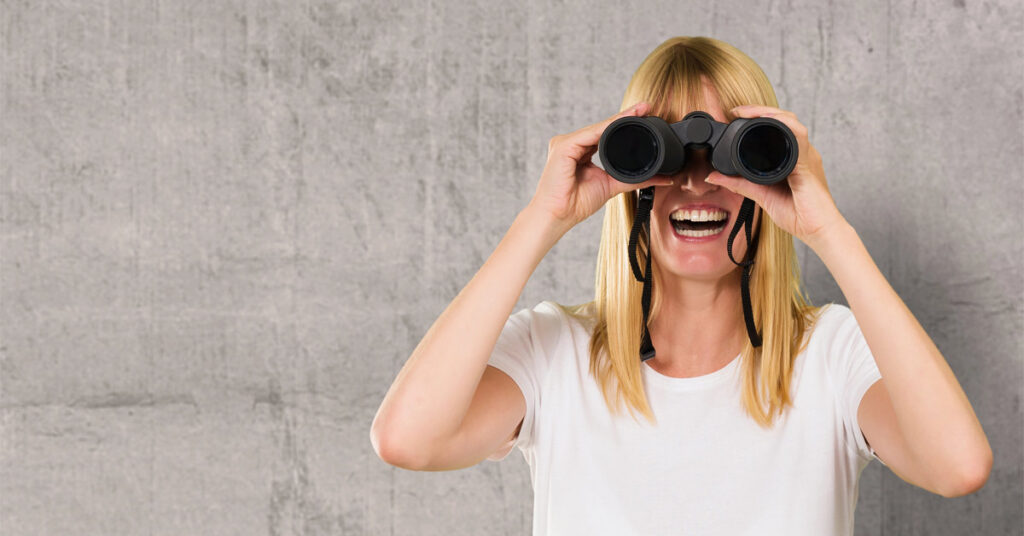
(432, 393)
(938, 436)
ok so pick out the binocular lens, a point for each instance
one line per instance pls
(763, 149)
(632, 150)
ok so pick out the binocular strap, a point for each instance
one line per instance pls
(745, 219)
(643, 216)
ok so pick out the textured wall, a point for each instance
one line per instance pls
(226, 225)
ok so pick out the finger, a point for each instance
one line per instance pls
(588, 156)
(620, 187)
(783, 116)
(738, 185)
(753, 110)
(786, 117)
(587, 137)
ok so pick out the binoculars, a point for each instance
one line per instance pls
(760, 149)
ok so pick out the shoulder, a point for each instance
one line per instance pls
(831, 315)
(831, 324)
(548, 322)
(831, 320)
(543, 313)
(582, 316)
(557, 313)
(543, 321)
(838, 337)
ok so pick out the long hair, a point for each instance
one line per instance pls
(671, 79)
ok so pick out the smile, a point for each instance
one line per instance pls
(698, 233)
(698, 224)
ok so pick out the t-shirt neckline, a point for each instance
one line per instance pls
(695, 382)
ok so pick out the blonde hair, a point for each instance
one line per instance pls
(670, 79)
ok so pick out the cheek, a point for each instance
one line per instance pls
(656, 227)
(661, 236)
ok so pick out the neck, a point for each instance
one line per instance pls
(699, 327)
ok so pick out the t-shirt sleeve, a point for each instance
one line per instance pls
(522, 351)
(854, 371)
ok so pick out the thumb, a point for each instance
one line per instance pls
(621, 187)
(733, 184)
(739, 185)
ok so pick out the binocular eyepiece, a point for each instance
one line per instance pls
(760, 149)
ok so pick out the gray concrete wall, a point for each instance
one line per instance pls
(226, 225)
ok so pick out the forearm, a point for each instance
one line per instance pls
(434, 389)
(934, 415)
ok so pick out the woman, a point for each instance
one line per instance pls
(739, 438)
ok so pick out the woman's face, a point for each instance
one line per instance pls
(678, 248)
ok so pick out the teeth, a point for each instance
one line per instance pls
(699, 215)
(699, 234)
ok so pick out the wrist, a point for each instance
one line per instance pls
(831, 236)
(552, 226)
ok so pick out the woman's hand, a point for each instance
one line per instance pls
(802, 204)
(571, 188)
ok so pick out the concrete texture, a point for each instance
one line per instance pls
(226, 225)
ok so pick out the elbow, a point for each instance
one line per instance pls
(386, 449)
(973, 478)
(378, 444)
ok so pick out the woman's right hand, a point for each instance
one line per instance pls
(571, 188)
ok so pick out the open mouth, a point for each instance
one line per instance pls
(699, 224)
(698, 229)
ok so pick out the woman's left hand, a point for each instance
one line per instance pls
(802, 204)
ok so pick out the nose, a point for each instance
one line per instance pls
(698, 166)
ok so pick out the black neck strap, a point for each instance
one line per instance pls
(745, 219)
(643, 216)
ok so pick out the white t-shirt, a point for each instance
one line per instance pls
(707, 468)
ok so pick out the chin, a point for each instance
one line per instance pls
(698, 266)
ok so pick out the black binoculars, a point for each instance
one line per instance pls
(760, 149)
